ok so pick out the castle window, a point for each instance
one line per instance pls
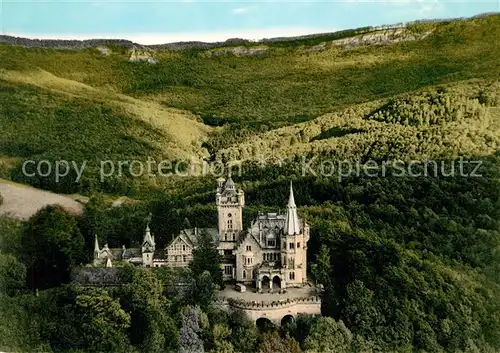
(284, 245)
(292, 246)
(229, 215)
(225, 237)
(184, 258)
(291, 276)
(228, 270)
(271, 243)
(230, 224)
(298, 245)
(184, 248)
(234, 237)
(244, 274)
(249, 248)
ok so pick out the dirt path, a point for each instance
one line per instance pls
(21, 201)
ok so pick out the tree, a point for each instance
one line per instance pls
(359, 310)
(51, 244)
(10, 235)
(328, 335)
(322, 268)
(207, 258)
(103, 322)
(271, 342)
(12, 275)
(243, 331)
(221, 335)
(322, 272)
(189, 342)
(92, 222)
(149, 310)
(203, 291)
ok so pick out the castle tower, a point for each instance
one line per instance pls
(230, 203)
(294, 245)
(96, 250)
(96, 247)
(148, 248)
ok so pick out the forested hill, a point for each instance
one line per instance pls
(111, 102)
(408, 263)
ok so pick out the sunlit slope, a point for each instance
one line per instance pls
(438, 122)
(287, 82)
(182, 131)
(44, 117)
(431, 95)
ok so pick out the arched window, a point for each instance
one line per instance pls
(244, 274)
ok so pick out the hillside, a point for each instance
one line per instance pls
(407, 263)
(110, 102)
(22, 202)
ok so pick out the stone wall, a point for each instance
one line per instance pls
(97, 276)
(275, 311)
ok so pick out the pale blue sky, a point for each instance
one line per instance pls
(156, 21)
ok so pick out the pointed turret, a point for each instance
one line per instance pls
(229, 186)
(148, 241)
(96, 245)
(292, 224)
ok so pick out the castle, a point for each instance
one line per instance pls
(270, 255)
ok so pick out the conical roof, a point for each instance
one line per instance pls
(229, 184)
(148, 240)
(292, 224)
(96, 245)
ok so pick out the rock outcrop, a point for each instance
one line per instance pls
(138, 55)
(378, 37)
(388, 36)
(238, 51)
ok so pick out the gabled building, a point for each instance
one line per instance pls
(270, 255)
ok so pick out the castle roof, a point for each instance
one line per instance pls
(96, 245)
(229, 185)
(292, 222)
(191, 235)
(148, 240)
